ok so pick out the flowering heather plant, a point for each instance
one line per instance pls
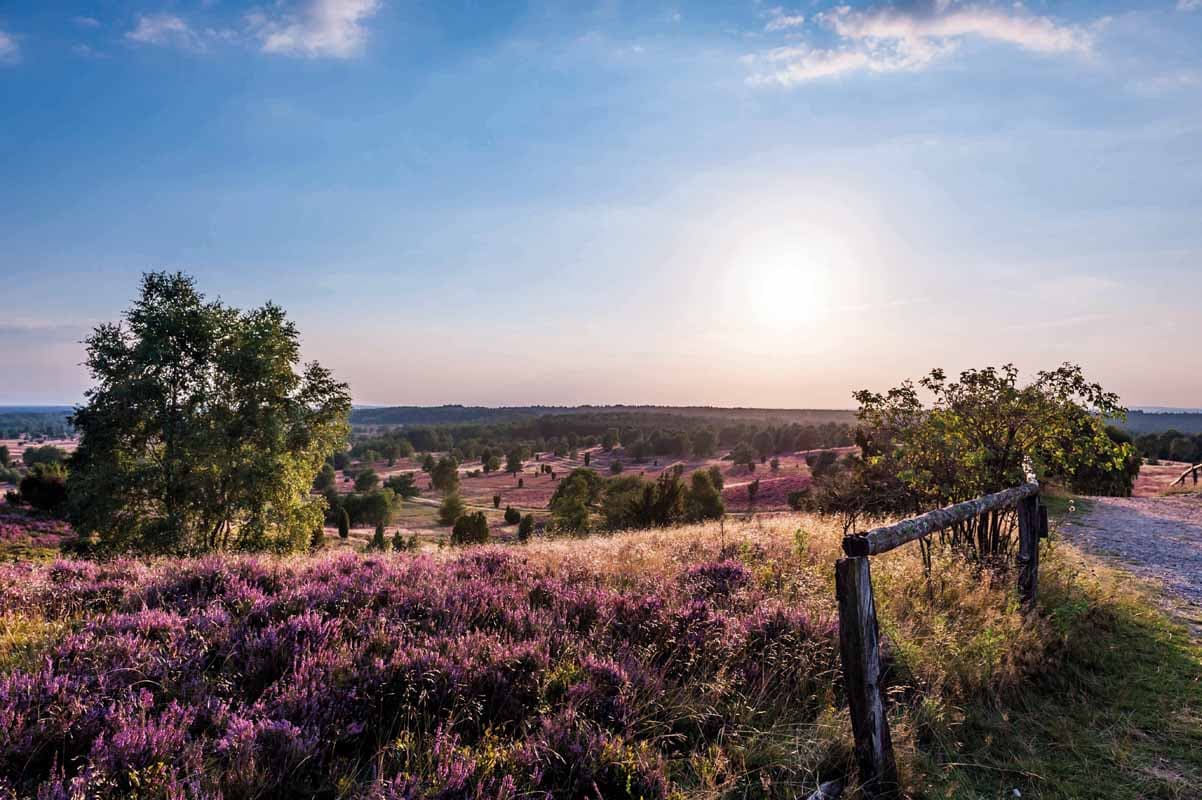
(491, 674)
(32, 529)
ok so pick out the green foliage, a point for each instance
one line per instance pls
(378, 543)
(704, 442)
(317, 539)
(753, 489)
(526, 528)
(774, 464)
(974, 437)
(428, 463)
(326, 478)
(5, 457)
(199, 434)
(45, 487)
(743, 454)
(404, 485)
(445, 475)
(595, 485)
(451, 509)
(609, 439)
(615, 467)
(716, 478)
(631, 501)
(569, 505)
(496, 501)
(46, 454)
(470, 529)
(344, 524)
(512, 515)
(513, 461)
(704, 500)
(366, 480)
(587, 457)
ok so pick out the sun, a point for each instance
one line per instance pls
(786, 292)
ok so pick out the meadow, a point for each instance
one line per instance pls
(693, 662)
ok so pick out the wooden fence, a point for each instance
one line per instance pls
(1194, 470)
(859, 637)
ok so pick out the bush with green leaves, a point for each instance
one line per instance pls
(512, 515)
(45, 454)
(470, 529)
(366, 480)
(445, 475)
(451, 509)
(45, 487)
(378, 543)
(526, 528)
(403, 485)
(344, 524)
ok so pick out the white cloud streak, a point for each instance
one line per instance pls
(10, 51)
(1189, 5)
(780, 20)
(164, 30)
(320, 28)
(893, 39)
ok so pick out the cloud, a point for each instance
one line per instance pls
(895, 39)
(321, 28)
(10, 52)
(165, 30)
(1189, 5)
(86, 22)
(779, 20)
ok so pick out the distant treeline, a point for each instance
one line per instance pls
(643, 434)
(456, 414)
(50, 421)
(1171, 445)
(1139, 422)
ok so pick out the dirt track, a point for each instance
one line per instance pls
(1154, 537)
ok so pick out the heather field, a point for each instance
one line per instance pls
(697, 662)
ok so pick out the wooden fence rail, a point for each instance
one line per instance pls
(859, 634)
(1194, 470)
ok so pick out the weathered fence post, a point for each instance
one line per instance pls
(1029, 526)
(860, 648)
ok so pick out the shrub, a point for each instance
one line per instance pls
(470, 529)
(45, 487)
(615, 468)
(526, 528)
(344, 524)
(378, 543)
(451, 509)
(496, 501)
(512, 515)
(366, 481)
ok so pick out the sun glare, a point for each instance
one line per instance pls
(785, 286)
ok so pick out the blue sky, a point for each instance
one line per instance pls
(513, 202)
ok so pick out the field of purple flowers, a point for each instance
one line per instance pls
(22, 527)
(490, 674)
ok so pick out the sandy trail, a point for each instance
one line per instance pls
(1153, 537)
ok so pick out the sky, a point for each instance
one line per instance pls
(727, 203)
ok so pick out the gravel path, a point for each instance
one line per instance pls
(1155, 537)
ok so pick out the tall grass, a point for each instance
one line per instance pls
(696, 662)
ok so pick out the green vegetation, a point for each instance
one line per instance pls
(198, 434)
(451, 509)
(470, 529)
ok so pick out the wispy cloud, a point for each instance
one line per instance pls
(86, 22)
(10, 51)
(319, 28)
(894, 39)
(165, 30)
(781, 20)
(1189, 5)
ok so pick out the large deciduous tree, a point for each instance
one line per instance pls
(200, 433)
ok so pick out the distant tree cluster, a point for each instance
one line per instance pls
(640, 435)
(1171, 445)
(631, 501)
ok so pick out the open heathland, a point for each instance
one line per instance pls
(691, 662)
